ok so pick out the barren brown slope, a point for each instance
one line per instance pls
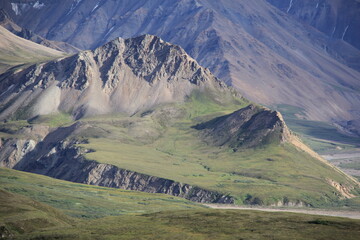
(15, 50)
(270, 57)
(7, 23)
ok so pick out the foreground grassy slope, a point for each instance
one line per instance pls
(23, 218)
(80, 200)
(79, 211)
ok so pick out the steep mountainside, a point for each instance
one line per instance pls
(15, 51)
(7, 23)
(270, 57)
(122, 76)
(148, 117)
(338, 19)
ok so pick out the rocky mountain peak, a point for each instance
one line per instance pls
(124, 75)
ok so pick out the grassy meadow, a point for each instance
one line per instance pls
(38, 207)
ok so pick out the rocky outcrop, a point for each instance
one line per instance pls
(58, 156)
(66, 161)
(12, 150)
(344, 191)
(251, 126)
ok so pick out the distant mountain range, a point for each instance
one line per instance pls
(338, 19)
(268, 55)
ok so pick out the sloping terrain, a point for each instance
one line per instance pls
(122, 76)
(336, 18)
(148, 117)
(86, 212)
(267, 55)
(7, 23)
(15, 51)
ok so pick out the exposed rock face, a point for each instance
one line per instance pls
(13, 150)
(7, 23)
(344, 191)
(338, 19)
(59, 158)
(248, 127)
(268, 56)
(122, 76)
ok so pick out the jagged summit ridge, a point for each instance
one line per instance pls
(124, 75)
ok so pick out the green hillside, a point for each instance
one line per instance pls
(79, 211)
(163, 142)
(84, 201)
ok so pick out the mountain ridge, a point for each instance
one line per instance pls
(104, 75)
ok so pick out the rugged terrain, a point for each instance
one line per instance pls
(18, 51)
(266, 54)
(141, 114)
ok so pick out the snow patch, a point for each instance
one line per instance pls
(347, 27)
(9, 88)
(18, 8)
(333, 32)
(108, 32)
(290, 6)
(73, 6)
(38, 5)
(96, 6)
(15, 8)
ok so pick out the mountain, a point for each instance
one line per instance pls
(122, 76)
(16, 51)
(7, 23)
(266, 54)
(337, 19)
(141, 114)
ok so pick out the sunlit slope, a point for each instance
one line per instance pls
(24, 218)
(15, 50)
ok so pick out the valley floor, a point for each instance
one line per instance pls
(345, 214)
(348, 161)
